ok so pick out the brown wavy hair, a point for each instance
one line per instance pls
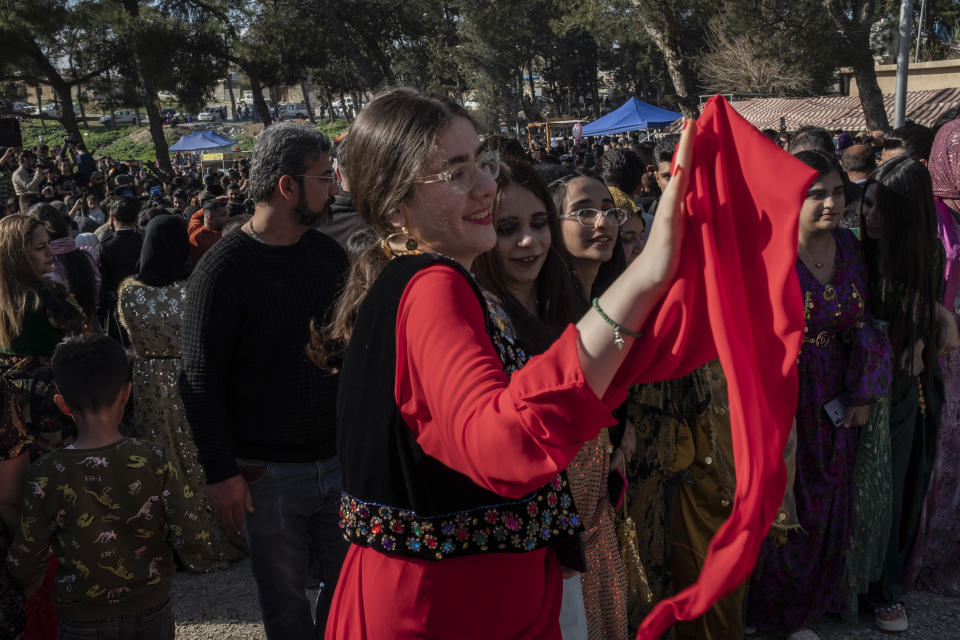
(392, 140)
(19, 281)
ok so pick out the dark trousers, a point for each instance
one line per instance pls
(913, 439)
(155, 623)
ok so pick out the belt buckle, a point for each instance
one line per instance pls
(823, 339)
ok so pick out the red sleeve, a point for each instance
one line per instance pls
(508, 435)
(195, 224)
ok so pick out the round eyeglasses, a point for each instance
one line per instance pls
(463, 176)
(589, 217)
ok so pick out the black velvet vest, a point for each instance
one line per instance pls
(399, 500)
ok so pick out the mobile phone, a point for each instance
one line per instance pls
(835, 410)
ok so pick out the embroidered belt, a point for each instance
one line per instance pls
(509, 527)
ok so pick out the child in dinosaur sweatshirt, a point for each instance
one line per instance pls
(112, 507)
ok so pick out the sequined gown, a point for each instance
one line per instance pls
(152, 317)
(843, 355)
(604, 584)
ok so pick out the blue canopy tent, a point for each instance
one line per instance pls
(202, 140)
(633, 115)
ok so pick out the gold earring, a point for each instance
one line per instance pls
(409, 244)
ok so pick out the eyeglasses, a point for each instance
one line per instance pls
(463, 176)
(589, 217)
(320, 178)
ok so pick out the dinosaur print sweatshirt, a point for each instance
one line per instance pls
(113, 516)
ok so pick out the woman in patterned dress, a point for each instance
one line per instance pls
(150, 307)
(905, 262)
(590, 225)
(530, 294)
(935, 563)
(843, 357)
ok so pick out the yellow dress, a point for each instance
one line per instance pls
(152, 316)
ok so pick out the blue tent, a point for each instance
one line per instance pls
(200, 140)
(634, 115)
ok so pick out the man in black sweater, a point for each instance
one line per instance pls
(263, 416)
(118, 260)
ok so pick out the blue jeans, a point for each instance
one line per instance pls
(295, 508)
(155, 623)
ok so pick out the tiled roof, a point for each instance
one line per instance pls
(840, 112)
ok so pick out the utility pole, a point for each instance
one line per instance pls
(903, 62)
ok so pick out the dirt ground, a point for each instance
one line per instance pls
(223, 606)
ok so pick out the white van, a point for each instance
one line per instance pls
(120, 116)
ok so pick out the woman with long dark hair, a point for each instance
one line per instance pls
(452, 493)
(935, 563)
(905, 263)
(35, 315)
(844, 366)
(531, 298)
(590, 228)
(75, 268)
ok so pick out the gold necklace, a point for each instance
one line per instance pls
(807, 258)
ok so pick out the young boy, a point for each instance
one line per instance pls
(113, 508)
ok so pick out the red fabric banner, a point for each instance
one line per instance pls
(736, 295)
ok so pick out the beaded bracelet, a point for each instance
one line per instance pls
(617, 329)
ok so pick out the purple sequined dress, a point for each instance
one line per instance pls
(842, 355)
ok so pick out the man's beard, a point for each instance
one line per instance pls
(307, 216)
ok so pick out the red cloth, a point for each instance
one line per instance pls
(42, 621)
(201, 238)
(510, 436)
(736, 294)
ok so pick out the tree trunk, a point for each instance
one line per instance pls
(347, 113)
(531, 83)
(67, 116)
(156, 128)
(664, 37)
(233, 99)
(258, 102)
(83, 111)
(306, 85)
(871, 98)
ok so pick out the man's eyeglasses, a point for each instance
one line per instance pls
(320, 178)
(589, 217)
(463, 176)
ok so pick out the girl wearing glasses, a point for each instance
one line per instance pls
(590, 226)
(453, 497)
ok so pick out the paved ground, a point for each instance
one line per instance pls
(223, 606)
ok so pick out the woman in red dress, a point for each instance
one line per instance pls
(453, 500)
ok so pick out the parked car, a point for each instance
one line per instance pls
(120, 116)
(210, 114)
(22, 107)
(166, 96)
(52, 110)
(291, 110)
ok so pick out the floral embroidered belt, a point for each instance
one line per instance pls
(510, 527)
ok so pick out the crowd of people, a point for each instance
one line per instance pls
(395, 370)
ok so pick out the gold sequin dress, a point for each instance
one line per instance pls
(604, 584)
(152, 317)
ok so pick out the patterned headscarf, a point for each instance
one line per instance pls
(945, 164)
